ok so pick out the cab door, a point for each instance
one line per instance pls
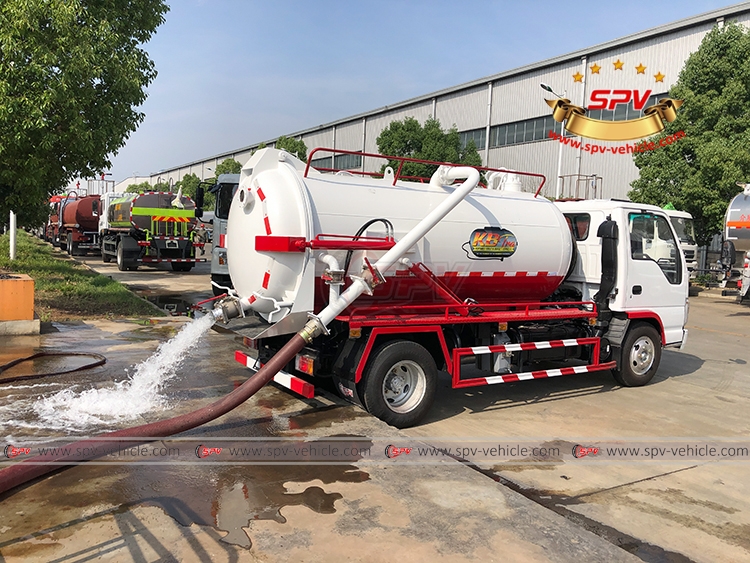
(656, 279)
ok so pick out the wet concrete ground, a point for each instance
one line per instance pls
(201, 511)
(519, 510)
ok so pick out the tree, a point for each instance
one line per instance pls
(228, 166)
(138, 188)
(72, 74)
(297, 147)
(697, 173)
(190, 183)
(429, 142)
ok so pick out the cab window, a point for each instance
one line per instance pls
(651, 239)
(579, 224)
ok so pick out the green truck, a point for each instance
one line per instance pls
(150, 228)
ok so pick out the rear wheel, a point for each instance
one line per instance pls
(640, 356)
(399, 383)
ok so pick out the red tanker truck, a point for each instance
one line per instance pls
(52, 228)
(79, 228)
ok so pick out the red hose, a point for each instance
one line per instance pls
(32, 468)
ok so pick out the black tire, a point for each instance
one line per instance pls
(73, 249)
(640, 356)
(411, 368)
(217, 291)
(121, 264)
(69, 244)
(182, 266)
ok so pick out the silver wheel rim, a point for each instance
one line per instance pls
(642, 355)
(404, 386)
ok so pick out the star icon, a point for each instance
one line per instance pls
(640, 68)
(578, 77)
(595, 68)
(659, 77)
(618, 64)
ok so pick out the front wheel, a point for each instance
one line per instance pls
(399, 383)
(640, 356)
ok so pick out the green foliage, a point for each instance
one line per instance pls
(65, 289)
(138, 188)
(190, 183)
(297, 147)
(428, 142)
(697, 173)
(228, 166)
(72, 73)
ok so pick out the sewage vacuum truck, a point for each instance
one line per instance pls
(151, 227)
(79, 227)
(388, 281)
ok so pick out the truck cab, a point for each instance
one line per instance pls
(223, 190)
(682, 222)
(650, 278)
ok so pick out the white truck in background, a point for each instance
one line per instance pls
(223, 190)
(682, 222)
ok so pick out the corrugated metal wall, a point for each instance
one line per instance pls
(466, 110)
(519, 98)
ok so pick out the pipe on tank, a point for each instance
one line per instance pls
(442, 176)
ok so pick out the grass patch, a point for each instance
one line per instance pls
(66, 290)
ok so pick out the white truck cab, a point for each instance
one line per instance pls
(682, 222)
(651, 279)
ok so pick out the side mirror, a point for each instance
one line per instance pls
(728, 254)
(199, 200)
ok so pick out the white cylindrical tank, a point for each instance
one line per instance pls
(737, 224)
(495, 246)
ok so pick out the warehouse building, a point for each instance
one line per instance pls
(511, 124)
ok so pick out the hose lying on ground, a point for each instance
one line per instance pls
(37, 466)
(101, 360)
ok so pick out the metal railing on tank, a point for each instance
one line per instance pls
(401, 160)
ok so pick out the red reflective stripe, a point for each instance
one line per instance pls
(279, 244)
(223, 241)
(261, 195)
(510, 378)
(252, 299)
(266, 279)
(267, 224)
(540, 374)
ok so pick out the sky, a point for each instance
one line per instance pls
(232, 73)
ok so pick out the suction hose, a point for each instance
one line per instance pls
(37, 466)
(32, 468)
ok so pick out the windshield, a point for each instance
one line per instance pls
(684, 229)
(224, 194)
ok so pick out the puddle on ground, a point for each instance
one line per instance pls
(228, 498)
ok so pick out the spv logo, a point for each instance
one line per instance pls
(610, 99)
